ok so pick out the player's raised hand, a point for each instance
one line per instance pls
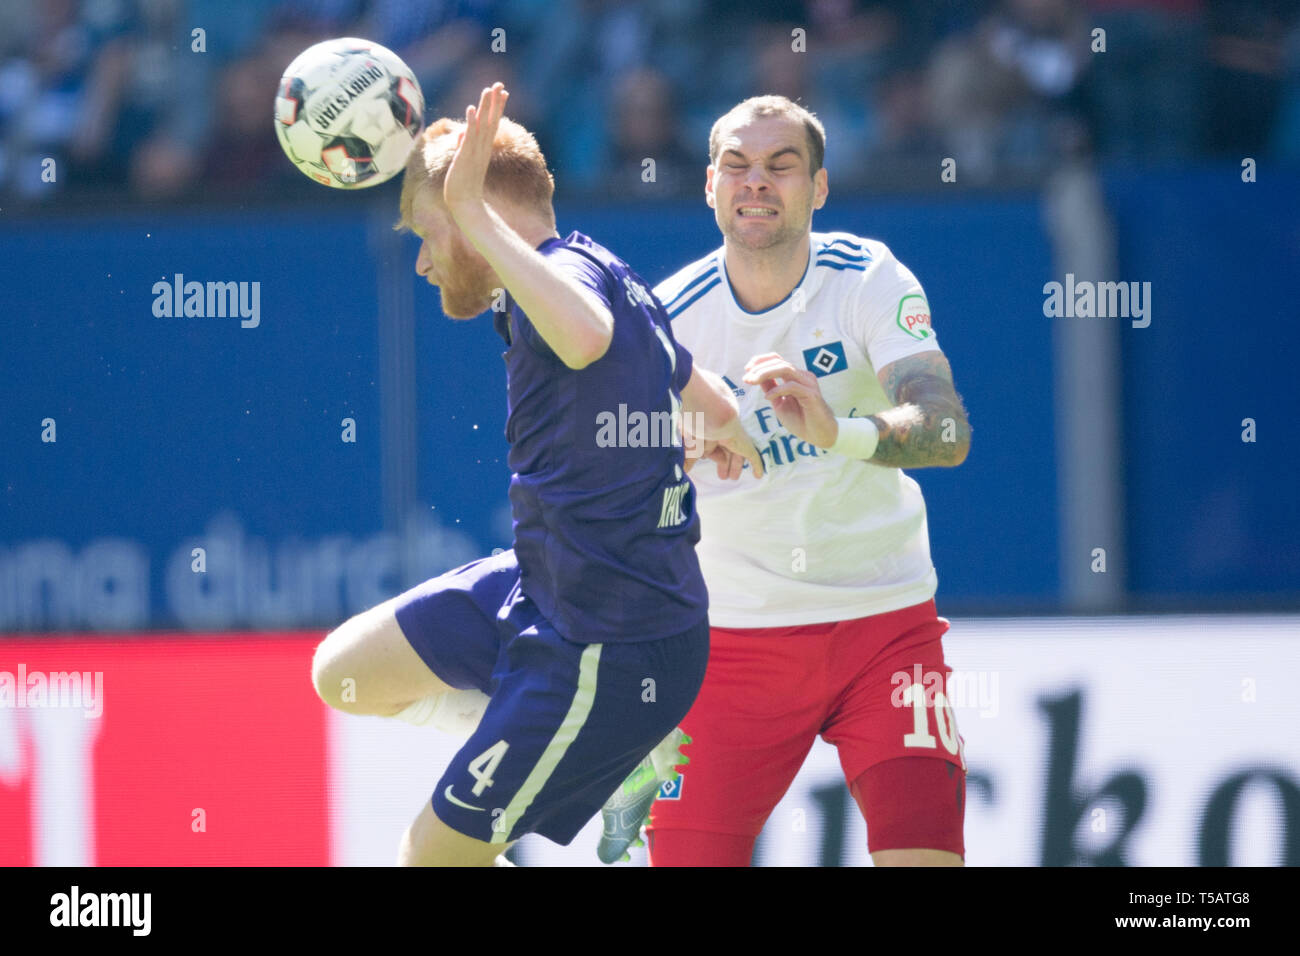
(463, 186)
(729, 466)
(796, 398)
(732, 448)
(711, 427)
(728, 453)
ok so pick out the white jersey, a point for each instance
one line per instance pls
(821, 537)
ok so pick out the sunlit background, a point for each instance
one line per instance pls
(1119, 556)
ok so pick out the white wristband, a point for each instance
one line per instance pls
(857, 438)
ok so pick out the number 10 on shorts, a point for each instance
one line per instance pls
(945, 721)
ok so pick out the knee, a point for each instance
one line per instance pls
(366, 666)
(329, 673)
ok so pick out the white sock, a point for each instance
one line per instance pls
(419, 713)
(459, 711)
(454, 712)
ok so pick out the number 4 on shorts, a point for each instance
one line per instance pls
(484, 765)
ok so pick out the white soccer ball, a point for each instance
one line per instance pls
(347, 113)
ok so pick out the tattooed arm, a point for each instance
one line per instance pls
(927, 425)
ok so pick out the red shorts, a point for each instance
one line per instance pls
(872, 687)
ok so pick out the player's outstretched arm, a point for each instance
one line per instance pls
(713, 421)
(574, 323)
(927, 425)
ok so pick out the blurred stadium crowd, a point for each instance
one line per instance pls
(114, 91)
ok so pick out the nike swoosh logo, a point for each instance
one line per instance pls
(460, 803)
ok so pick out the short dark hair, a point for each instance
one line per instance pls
(757, 107)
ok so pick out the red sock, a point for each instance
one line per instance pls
(913, 803)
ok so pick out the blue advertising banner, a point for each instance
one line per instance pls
(262, 420)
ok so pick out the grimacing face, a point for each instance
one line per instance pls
(463, 277)
(760, 188)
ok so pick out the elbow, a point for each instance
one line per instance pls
(955, 434)
(962, 449)
(590, 340)
(589, 350)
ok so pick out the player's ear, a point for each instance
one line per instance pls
(708, 186)
(821, 188)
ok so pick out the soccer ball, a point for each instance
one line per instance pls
(347, 113)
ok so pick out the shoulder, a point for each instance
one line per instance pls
(590, 263)
(867, 261)
(863, 269)
(845, 252)
(686, 286)
(576, 247)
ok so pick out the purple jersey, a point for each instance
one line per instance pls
(604, 515)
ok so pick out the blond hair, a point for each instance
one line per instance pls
(760, 107)
(516, 172)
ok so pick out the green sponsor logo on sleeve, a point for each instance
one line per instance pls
(914, 316)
